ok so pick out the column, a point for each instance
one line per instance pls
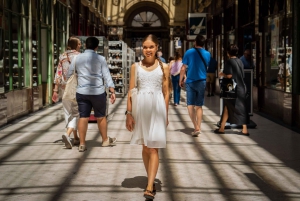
(171, 45)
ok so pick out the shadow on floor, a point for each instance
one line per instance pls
(140, 182)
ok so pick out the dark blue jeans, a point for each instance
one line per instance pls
(176, 88)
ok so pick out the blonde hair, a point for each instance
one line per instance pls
(154, 39)
(73, 43)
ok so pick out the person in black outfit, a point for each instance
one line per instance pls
(234, 110)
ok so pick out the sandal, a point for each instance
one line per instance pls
(154, 189)
(149, 195)
(82, 148)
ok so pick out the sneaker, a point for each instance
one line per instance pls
(82, 148)
(211, 94)
(208, 95)
(76, 142)
(67, 141)
(110, 141)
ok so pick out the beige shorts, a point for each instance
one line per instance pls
(210, 77)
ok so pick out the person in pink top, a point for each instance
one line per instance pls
(175, 67)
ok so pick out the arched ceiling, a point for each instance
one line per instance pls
(135, 9)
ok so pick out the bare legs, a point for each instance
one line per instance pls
(196, 113)
(83, 125)
(151, 161)
(70, 130)
(102, 126)
(82, 128)
(224, 120)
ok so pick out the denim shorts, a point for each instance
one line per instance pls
(195, 92)
(87, 102)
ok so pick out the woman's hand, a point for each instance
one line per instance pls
(130, 122)
(55, 97)
(221, 74)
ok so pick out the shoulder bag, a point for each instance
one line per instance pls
(71, 86)
(133, 93)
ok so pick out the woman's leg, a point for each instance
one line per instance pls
(72, 127)
(174, 84)
(224, 119)
(177, 89)
(245, 130)
(145, 158)
(71, 117)
(75, 135)
(69, 131)
(151, 162)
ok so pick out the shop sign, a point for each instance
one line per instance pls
(196, 25)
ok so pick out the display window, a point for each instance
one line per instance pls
(278, 52)
(60, 34)
(15, 26)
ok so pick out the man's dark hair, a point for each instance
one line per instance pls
(200, 40)
(232, 50)
(91, 43)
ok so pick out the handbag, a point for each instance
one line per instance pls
(228, 87)
(71, 86)
(133, 94)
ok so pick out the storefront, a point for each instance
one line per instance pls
(277, 54)
(15, 58)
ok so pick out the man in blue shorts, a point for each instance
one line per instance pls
(92, 72)
(195, 81)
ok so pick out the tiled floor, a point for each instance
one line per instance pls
(263, 166)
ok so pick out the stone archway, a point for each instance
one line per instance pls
(133, 34)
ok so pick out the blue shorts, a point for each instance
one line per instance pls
(195, 92)
(87, 102)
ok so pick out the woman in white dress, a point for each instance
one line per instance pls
(149, 124)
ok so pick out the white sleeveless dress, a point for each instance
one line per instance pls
(151, 115)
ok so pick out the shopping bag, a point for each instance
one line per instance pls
(71, 86)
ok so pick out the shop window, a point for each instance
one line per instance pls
(13, 52)
(278, 53)
(14, 47)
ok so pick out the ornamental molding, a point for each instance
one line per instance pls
(176, 2)
(116, 2)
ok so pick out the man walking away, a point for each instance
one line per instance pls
(195, 81)
(92, 69)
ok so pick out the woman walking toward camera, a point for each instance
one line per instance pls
(151, 118)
